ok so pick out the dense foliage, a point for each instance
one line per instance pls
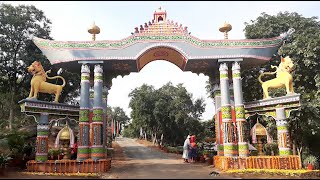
(169, 110)
(18, 24)
(304, 49)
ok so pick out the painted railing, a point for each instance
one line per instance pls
(257, 162)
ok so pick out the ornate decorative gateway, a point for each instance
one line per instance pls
(163, 39)
(159, 39)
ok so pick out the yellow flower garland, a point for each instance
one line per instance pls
(297, 172)
(63, 174)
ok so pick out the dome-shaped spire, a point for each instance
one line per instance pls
(225, 28)
(94, 29)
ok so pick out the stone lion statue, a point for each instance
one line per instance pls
(283, 77)
(39, 84)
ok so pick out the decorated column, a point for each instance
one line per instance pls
(243, 147)
(105, 128)
(114, 129)
(229, 146)
(84, 115)
(283, 132)
(97, 149)
(218, 121)
(42, 138)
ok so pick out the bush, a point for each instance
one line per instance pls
(4, 160)
(311, 160)
(16, 143)
(271, 147)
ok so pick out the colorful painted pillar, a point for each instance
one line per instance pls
(243, 146)
(218, 120)
(104, 102)
(233, 114)
(97, 149)
(283, 133)
(229, 142)
(114, 129)
(84, 115)
(91, 97)
(42, 138)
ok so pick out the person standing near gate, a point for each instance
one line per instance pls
(74, 149)
(186, 147)
(193, 148)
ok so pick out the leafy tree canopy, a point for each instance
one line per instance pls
(18, 24)
(304, 49)
(169, 110)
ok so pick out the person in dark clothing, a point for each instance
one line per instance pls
(74, 150)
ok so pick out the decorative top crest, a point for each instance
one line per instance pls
(161, 25)
(223, 67)
(98, 69)
(85, 68)
(235, 66)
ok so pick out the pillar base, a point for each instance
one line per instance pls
(243, 149)
(83, 153)
(230, 149)
(285, 151)
(220, 150)
(257, 162)
(97, 152)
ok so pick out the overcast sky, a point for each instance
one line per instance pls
(117, 19)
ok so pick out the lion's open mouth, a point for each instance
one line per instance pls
(31, 70)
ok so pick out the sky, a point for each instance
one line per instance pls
(117, 19)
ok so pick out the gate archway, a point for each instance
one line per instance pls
(164, 39)
(162, 52)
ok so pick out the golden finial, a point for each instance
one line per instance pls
(65, 134)
(225, 28)
(94, 29)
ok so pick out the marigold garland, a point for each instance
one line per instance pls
(297, 172)
(63, 174)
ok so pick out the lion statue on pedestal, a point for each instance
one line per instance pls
(283, 77)
(39, 84)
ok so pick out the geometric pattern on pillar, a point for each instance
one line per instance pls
(218, 121)
(105, 128)
(84, 115)
(42, 138)
(243, 146)
(229, 146)
(283, 133)
(283, 138)
(97, 149)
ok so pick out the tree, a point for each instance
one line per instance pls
(120, 115)
(169, 110)
(18, 24)
(304, 49)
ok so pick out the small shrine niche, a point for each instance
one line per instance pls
(160, 16)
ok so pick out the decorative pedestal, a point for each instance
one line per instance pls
(70, 166)
(257, 162)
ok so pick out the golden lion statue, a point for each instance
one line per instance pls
(39, 84)
(283, 77)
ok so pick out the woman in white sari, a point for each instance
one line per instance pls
(186, 147)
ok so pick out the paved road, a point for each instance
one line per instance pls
(146, 163)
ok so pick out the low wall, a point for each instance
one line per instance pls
(257, 162)
(70, 166)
